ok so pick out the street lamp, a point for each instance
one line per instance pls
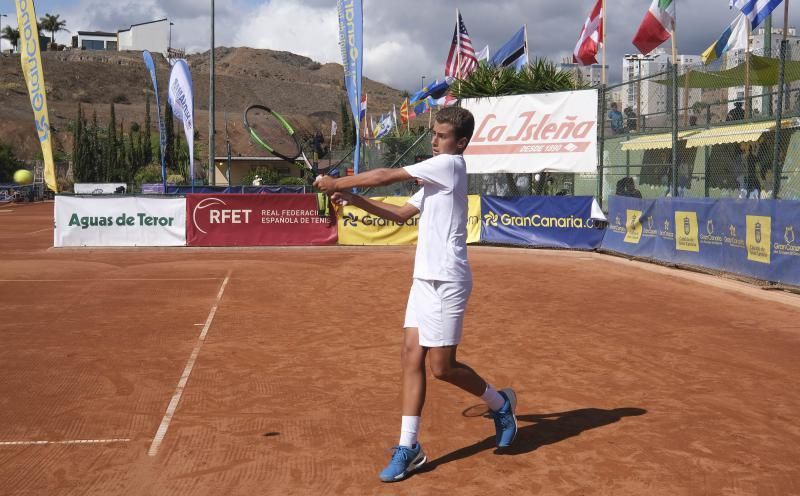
(169, 43)
(211, 129)
(422, 85)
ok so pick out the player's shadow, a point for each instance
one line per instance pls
(543, 429)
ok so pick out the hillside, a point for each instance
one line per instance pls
(307, 92)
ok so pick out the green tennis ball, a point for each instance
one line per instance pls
(23, 176)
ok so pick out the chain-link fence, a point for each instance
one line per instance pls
(718, 131)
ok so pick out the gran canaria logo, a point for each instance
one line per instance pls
(491, 219)
(788, 235)
(350, 220)
(537, 220)
(710, 227)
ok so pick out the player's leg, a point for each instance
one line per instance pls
(441, 329)
(408, 454)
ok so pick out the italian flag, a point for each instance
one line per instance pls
(656, 25)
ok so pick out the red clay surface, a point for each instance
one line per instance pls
(629, 382)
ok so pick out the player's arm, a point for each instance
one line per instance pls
(397, 213)
(376, 177)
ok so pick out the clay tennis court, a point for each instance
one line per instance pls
(632, 379)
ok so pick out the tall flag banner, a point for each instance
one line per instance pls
(31, 58)
(162, 135)
(656, 25)
(483, 55)
(733, 38)
(181, 100)
(461, 60)
(334, 128)
(351, 42)
(512, 51)
(591, 37)
(755, 10)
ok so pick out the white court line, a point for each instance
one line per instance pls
(73, 441)
(176, 398)
(112, 280)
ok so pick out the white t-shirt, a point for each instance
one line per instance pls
(442, 202)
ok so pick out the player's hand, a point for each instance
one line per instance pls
(326, 184)
(342, 198)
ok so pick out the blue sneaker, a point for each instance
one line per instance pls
(505, 422)
(404, 461)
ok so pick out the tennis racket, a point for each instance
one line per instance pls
(257, 119)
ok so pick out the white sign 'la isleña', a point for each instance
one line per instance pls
(548, 132)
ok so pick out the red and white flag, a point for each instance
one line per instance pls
(591, 37)
(656, 27)
(461, 61)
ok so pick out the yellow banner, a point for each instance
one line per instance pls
(30, 56)
(358, 227)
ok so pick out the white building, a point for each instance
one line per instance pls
(654, 98)
(153, 36)
(94, 40)
(587, 74)
(757, 44)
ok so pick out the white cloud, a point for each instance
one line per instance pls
(291, 26)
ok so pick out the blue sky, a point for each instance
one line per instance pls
(403, 40)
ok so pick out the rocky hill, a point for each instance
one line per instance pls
(306, 92)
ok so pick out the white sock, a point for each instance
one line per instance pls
(492, 398)
(408, 431)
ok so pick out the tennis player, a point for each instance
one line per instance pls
(442, 281)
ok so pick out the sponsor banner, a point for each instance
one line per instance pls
(551, 221)
(785, 257)
(33, 71)
(351, 44)
(119, 221)
(747, 241)
(755, 238)
(98, 188)
(256, 220)
(358, 227)
(632, 227)
(544, 132)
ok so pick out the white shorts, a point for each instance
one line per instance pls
(437, 308)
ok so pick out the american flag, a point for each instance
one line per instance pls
(460, 50)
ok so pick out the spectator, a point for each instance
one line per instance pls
(627, 187)
(736, 113)
(615, 117)
(752, 185)
(630, 115)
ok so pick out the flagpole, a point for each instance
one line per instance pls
(458, 50)
(603, 24)
(747, 109)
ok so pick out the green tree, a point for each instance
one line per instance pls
(53, 24)
(169, 125)
(110, 155)
(8, 163)
(10, 34)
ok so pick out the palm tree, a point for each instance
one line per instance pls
(540, 76)
(12, 35)
(53, 24)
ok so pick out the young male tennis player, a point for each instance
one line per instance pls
(442, 281)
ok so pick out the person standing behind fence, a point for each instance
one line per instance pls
(630, 115)
(736, 113)
(752, 185)
(615, 118)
